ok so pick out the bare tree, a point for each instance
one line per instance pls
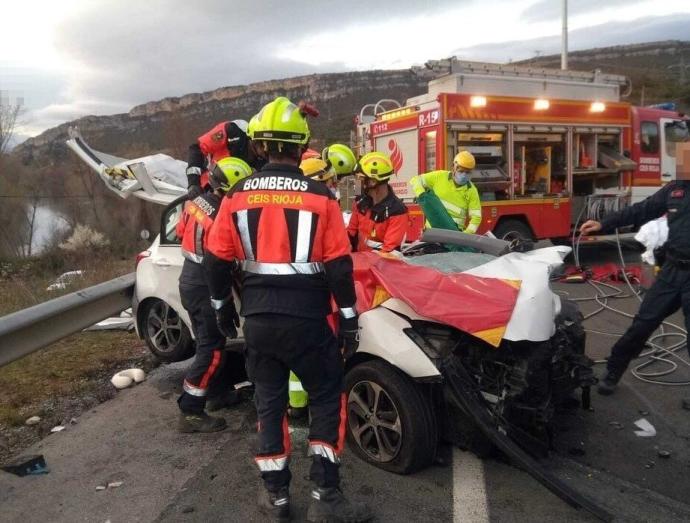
(9, 115)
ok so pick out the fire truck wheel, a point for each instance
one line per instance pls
(391, 424)
(513, 230)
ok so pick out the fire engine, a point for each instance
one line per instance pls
(552, 147)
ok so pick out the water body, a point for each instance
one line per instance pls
(47, 224)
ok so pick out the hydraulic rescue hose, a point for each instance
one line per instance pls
(657, 353)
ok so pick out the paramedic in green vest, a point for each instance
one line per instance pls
(457, 193)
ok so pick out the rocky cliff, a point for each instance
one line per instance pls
(170, 124)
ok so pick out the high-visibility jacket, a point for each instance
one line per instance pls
(192, 228)
(287, 232)
(380, 226)
(459, 202)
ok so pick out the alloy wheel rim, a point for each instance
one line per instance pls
(374, 421)
(164, 327)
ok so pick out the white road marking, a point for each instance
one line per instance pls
(469, 489)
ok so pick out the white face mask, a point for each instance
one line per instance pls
(461, 178)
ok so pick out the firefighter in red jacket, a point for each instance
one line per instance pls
(225, 139)
(214, 370)
(379, 218)
(287, 234)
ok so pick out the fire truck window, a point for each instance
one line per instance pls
(675, 132)
(649, 137)
(430, 150)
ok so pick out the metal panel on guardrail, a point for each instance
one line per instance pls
(28, 330)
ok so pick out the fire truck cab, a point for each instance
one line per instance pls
(552, 147)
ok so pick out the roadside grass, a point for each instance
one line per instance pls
(72, 375)
(23, 283)
(74, 367)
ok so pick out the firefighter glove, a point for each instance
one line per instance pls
(193, 191)
(228, 320)
(348, 336)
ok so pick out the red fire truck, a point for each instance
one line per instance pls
(552, 147)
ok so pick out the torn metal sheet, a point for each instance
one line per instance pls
(537, 305)
(156, 178)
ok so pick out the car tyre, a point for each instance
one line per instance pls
(166, 335)
(391, 422)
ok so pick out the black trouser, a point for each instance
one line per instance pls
(670, 292)
(277, 344)
(214, 369)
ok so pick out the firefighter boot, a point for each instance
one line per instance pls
(226, 400)
(329, 505)
(275, 505)
(200, 422)
(608, 385)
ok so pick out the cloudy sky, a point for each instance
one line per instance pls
(69, 58)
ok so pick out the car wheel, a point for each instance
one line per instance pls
(510, 230)
(165, 333)
(390, 422)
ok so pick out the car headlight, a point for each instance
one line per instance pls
(436, 341)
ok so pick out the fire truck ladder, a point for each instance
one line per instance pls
(517, 71)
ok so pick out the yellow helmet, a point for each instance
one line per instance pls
(464, 160)
(228, 171)
(375, 165)
(341, 158)
(280, 121)
(317, 169)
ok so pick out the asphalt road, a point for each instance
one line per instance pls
(201, 478)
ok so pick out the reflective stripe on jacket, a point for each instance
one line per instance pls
(459, 202)
(380, 226)
(195, 223)
(287, 232)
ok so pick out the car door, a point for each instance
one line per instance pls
(167, 259)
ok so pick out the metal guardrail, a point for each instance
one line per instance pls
(28, 330)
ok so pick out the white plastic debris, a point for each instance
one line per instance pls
(652, 235)
(100, 487)
(115, 484)
(647, 430)
(58, 428)
(33, 420)
(125, 378)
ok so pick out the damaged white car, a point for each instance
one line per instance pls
(471, 348)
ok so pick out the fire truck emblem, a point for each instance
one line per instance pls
(396, 155)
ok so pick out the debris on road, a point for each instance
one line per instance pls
(650, 464)
(115, 484)
(664, 453)
(124, 321)
(100, 487)
(33, 420)
(647, 430)
(125, 378)
(73, 421)
(616, 425)
(27, 465)
(58, 428)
